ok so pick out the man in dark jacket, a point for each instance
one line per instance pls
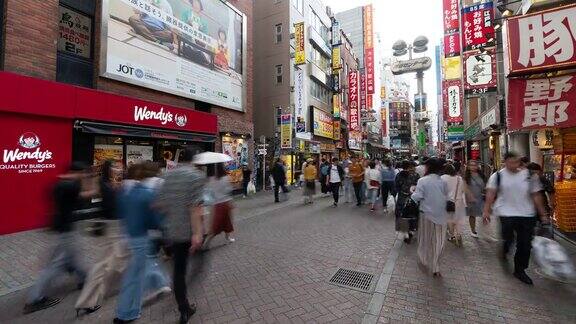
(334, 179)
(279, 176)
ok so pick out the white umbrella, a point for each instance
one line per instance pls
(211, 158)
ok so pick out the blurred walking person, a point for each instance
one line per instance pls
(310, 174)
(387, 177)
(246, 177)
(374, 177)
(475, 185)
(324, 173)
(279, 177)
(347, 184)
(180, 200)
(405, 183)
(456, 194)
(115, 254)
(357, 175)
(138, 217)
(221, 192)
(334, 179)
(431, 192)
(513, 195)
(70, 189)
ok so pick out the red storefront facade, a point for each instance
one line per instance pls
(46, 125)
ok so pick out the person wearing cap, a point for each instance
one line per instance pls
(71, 188)
(432, 194)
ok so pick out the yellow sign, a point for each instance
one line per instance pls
(327, 147)
(336, 105)
(452, 68)
(337, 130)
(288, 160)
(323, 124)
(299, 51)
(383, 92)
(286, 131)
(336, 58)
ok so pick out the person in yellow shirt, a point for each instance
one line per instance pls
(357, 175)
(310, 174)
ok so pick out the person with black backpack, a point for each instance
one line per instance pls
(513, 194)
(71, 188)
(324, 173)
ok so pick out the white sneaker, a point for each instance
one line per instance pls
(231, 239)
(158, 293)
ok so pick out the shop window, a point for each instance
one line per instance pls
(278, 32)
(75, 56)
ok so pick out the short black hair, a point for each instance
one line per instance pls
(450, 170)
(510, 155)
(433, 166)
(186, 156)
(372, 164)
(335, 159)
(534, 167)
(78, 166)
(525, 159)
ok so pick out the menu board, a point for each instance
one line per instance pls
(138, 153)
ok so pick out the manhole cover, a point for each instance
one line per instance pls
(356, 280)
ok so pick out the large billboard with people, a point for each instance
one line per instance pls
(191, 48)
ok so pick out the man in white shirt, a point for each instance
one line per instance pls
(335, 178)
(513, 195)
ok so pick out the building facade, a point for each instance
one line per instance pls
(93, 80)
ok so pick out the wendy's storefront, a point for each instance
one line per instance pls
(45, 125)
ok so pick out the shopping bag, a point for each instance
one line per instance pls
(251, 188)
(553, 259)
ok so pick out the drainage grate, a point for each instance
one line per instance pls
(356, 280)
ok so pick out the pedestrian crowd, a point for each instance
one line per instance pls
(434, 198)
(151, 214)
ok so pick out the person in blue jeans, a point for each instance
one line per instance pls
(143, 273)
(387, 182)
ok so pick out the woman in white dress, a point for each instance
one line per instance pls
(456, 193)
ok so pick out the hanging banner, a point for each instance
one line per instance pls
(451, 13)
(337, 135)
(336, 105)
(452, 99)
(477, 27)
(353, 100)
(480, 72)
(336, 35)
(300, 44)
(452, 45)
(383, 116)
(323, 124)
(542, 41)
(355, 140)
(452, 68)
(362, 90)
(336, 64)
(286, 131)
(539, 103)
(369, 48)
(300, 104)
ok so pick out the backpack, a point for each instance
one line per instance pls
(325, 169)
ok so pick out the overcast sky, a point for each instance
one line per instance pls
(404, 19)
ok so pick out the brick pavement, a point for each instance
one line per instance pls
(278, 269)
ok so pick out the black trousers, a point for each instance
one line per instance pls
(245, 187)
(387, 189)
(335, 188)
(180, 251)
(523, 227)
(323, 187)
(358, 192)
(277, 191)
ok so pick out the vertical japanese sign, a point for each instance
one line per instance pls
(369, 49)
(75, 32)
(286, 131)
(452, 99)
(477, 27)
(337, 130)
(336, 36)
(452, 45)
(384, 116)
(299, 103)
(353, 100)
(540, 103)
(542, 41)
(363, 104)
(480, 72)
(450, 16)
(300, 44)
(336, 64)
(336, 105)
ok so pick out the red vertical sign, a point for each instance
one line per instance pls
(450, 16)
(362, 90)
(353, 100)
(369, 48)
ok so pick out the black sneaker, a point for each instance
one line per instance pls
(522, 276)
(41, 304)
(185, 316)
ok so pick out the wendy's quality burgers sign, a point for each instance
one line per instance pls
(27, 156)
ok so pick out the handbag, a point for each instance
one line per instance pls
(410, 209)
(451, 204)
(374, 183)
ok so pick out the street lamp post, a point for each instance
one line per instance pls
(418, 66)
